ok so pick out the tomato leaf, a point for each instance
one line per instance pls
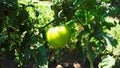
(107, 62)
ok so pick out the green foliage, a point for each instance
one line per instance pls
(22, 32)
(94, 24)
(107, 62)
(92, 40)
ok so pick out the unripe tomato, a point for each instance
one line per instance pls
(58, 36)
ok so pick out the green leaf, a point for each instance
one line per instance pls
(42, 57)
(109, 46)
(107, 62)
(13, 35)
(2, 37)
(78, 2)
(44, 66)
(27, 53)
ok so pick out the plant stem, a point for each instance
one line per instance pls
(89, 56)
(91, 64)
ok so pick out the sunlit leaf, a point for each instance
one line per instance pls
(107, 62)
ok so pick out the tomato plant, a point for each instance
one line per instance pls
(91, 33)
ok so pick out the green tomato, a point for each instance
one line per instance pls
(58, 36)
